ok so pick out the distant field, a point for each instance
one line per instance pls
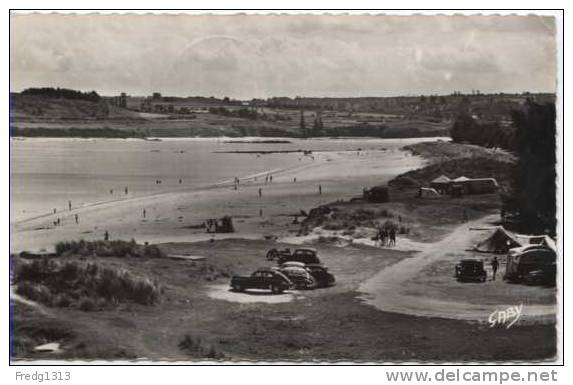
(37, 116)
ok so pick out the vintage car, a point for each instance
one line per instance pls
(470, 270)
(273, 254)
(321, 275)
(298, 274)
(263, 278)
(306, 256)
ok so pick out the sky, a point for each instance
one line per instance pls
(256, 56)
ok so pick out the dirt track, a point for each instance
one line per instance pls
(389, 290)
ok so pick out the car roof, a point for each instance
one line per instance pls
(266, 269)
(293, 263)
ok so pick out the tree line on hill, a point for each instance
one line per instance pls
(63, 93)
(531, 203)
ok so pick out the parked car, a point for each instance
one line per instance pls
(321, 275)
(263, 278)
(470, 270)
(273, 254)
(542, 277)
(298, 274)
(306, 256)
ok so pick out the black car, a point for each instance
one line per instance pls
(321, 275)
(264, 278)
(306, 256)
(470, 270)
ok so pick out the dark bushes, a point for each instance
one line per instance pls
(118, 248)
(196, 347)
(63, 93)
(86, 286)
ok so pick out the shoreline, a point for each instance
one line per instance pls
(342, 176)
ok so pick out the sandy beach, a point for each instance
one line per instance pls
(172, 211)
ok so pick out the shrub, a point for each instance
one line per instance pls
(116, 248)
(87, 304)
(71, 283)
(196, 347)
(35, 292)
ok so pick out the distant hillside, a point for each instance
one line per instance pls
(35, 107)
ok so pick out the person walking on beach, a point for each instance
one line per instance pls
(294, 180)
(144, 212)
(319, 189)
(126, 190)
(271, 179)
(260, 192)
(106, 236)
(55, 210)
(494, 266)
(180, 180)
(392, 237)
(76, 218)
(111, 192)
(58, 222)
(70, 205)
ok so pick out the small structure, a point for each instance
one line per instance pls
(457, 190)
(376, 194)
(441, 184)
(425, 192)
(521, 264)
(498, 243)
(480, 186)
(220, 225)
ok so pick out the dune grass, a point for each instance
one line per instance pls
(116, 248)
(85, 286)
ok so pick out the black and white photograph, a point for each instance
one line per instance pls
(285, 187)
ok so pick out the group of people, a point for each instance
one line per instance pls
(386, 237)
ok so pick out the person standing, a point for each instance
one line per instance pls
(319, 189)
(76, 217)
(144, 212)
(392, 237)
(70, 205)
(126, 190)
(494, 267)
(260, 192)
(106, 236)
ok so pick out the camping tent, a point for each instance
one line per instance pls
(425, 192)
(441, 183)
(499, 242)
(540, 240)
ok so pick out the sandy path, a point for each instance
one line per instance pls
(388, 291)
